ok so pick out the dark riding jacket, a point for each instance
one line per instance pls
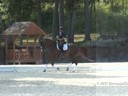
(62, 34)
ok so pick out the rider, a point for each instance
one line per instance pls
(61, 37)
(61, 33)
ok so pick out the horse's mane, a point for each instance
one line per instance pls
(49, 42)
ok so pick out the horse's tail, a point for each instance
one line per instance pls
(82, 51)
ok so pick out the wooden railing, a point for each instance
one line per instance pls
(21, 55)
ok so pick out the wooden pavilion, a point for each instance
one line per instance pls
(21, 43)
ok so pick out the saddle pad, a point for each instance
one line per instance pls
(65, 47)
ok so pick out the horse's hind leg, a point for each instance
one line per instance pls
(75, 67)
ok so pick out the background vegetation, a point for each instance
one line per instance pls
(104, 17)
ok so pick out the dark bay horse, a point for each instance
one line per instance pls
(51, 53)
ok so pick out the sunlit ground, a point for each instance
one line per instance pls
(92, 79)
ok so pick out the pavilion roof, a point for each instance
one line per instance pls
(24, 28)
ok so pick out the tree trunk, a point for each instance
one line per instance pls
(55, 25)
(61, 13)
(87, 20)
(1, 24)
(39, 14)
(71, 27)
(71, 19)
(92, 16)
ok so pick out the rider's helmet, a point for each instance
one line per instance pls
(61, 28)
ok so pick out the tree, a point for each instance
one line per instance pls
(39, 13)
(16, 10)
(20, 10)
(87, 20)
(58, 17)
(71, 9)
(55, 20)
(61, 13)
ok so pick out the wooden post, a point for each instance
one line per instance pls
(35, 48)
(27, 42)
(27, 51)
(40, 50)
(6, 47)
(13, 48)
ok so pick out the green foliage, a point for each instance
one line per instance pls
(83, 43)
(16, 10)
(47, 20)
(111, 15)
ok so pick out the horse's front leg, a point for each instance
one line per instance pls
(69, 66)
(45, 68)
(56, 68)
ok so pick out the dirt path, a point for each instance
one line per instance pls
(90, 80)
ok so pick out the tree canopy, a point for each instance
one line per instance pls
(76, 16)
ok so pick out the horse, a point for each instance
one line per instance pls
(52, 54)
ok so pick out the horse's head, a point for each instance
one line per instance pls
(41, 40)
(44, 41)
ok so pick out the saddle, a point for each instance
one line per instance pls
(62, 45)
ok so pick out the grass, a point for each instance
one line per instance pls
(79, 39)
